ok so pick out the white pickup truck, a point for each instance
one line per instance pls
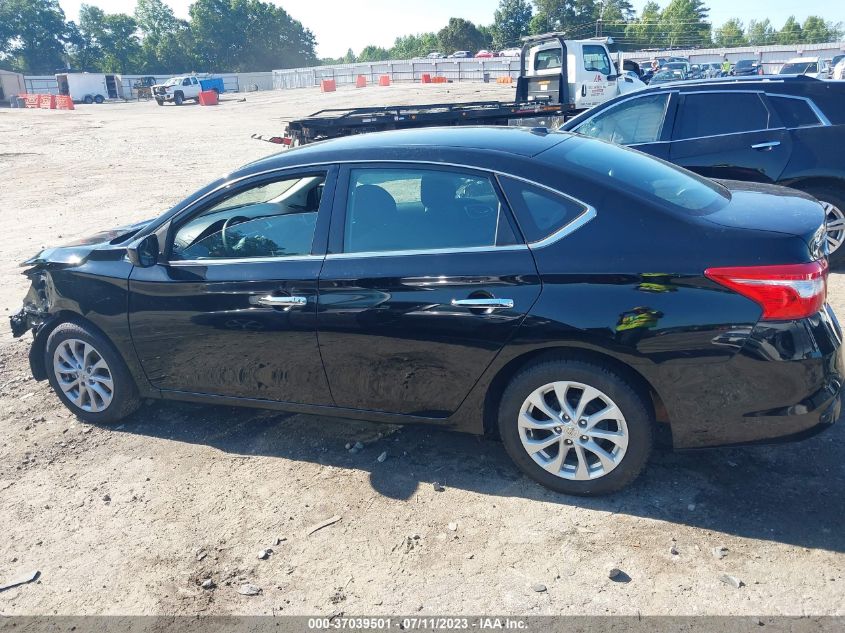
(181, 89)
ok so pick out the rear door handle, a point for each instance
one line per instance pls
(487, 303)
(766, 146)
(272, 301)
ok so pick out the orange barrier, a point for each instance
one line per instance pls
(426, 78)
(32, 101)
(208, 98)
(504, 80)
(439, 80)
(328, 85)
(64, 103)
(360, 81)
(47, 102)
(384, 80)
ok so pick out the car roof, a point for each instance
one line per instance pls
(468, 145)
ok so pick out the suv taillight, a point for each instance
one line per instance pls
(790, 291)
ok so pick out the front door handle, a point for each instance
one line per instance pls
(272, 301)
(486, 303)
(766, 146)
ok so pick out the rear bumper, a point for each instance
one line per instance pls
(784, 384)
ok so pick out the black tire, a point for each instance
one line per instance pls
(160, 102)
(88, 99)
(125, 398)
(836, 197)
(99, 99)
(632, 405)
(178, 98)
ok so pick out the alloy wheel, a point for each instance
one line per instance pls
(834, 225)
(573, 430)
(83, 375)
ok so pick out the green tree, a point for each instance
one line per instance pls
(166, 44)
(33, 35)
(349, 58)
(373, 54)
(410, 46)
(511, 21)
(110, 39)
(760, 32)
(486, 36)
(241, 35)
(731, 33)
(684, 23)
(790, 33)
(460, 35)
(645, 31)
(816, 31)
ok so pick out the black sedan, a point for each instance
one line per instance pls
(581, 300)
(779, 130)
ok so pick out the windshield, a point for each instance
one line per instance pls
(173, 81)
(745, 63)
(799, 68)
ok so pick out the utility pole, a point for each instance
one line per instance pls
(599, 24)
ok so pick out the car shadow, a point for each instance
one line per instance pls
(788, 493)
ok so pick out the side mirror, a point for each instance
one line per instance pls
(145, 252)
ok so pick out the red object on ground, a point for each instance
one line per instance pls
(361, 81)
(208, 98)
(64, 103)
(32, 101)
(47, 102)
(439, 80)
(384, 80)
(426, 78)
(328, 85)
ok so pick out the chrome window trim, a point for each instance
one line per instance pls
(430, 251)
(588, 214)
(243, 260)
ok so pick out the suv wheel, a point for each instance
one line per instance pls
(88, 375)
(575, 427)
(178, 98)
(833, 202)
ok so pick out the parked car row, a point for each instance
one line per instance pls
(482, 54)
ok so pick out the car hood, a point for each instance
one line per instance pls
(78, 251)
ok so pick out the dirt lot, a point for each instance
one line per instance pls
(129, 520)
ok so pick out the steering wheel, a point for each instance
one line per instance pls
(237, 219)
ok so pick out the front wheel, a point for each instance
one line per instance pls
(88, 375)
(178, 98)
(575, 427)
(160, 102)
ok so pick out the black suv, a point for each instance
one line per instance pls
(781, 130)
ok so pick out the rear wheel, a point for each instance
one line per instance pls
(88, 375)
(833, 202)
(575, 427)
(99, 99)
(88, 99)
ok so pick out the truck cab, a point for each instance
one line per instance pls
(578, 74)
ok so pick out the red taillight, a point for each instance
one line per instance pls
(791, 291)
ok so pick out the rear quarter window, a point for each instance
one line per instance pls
(540, 212)
(711, 113)
(794, 112)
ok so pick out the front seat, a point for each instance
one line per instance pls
(447, 222)
(372, 221)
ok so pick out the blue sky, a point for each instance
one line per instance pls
(340, 24)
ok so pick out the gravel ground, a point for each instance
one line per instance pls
(132, 519)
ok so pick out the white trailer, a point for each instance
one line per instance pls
(90, 87)
(11, 85)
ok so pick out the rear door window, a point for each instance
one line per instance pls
(548, 59)
(794, 112)
(399, 209)
(713, 113)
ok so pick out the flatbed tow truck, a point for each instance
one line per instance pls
(558, 78)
